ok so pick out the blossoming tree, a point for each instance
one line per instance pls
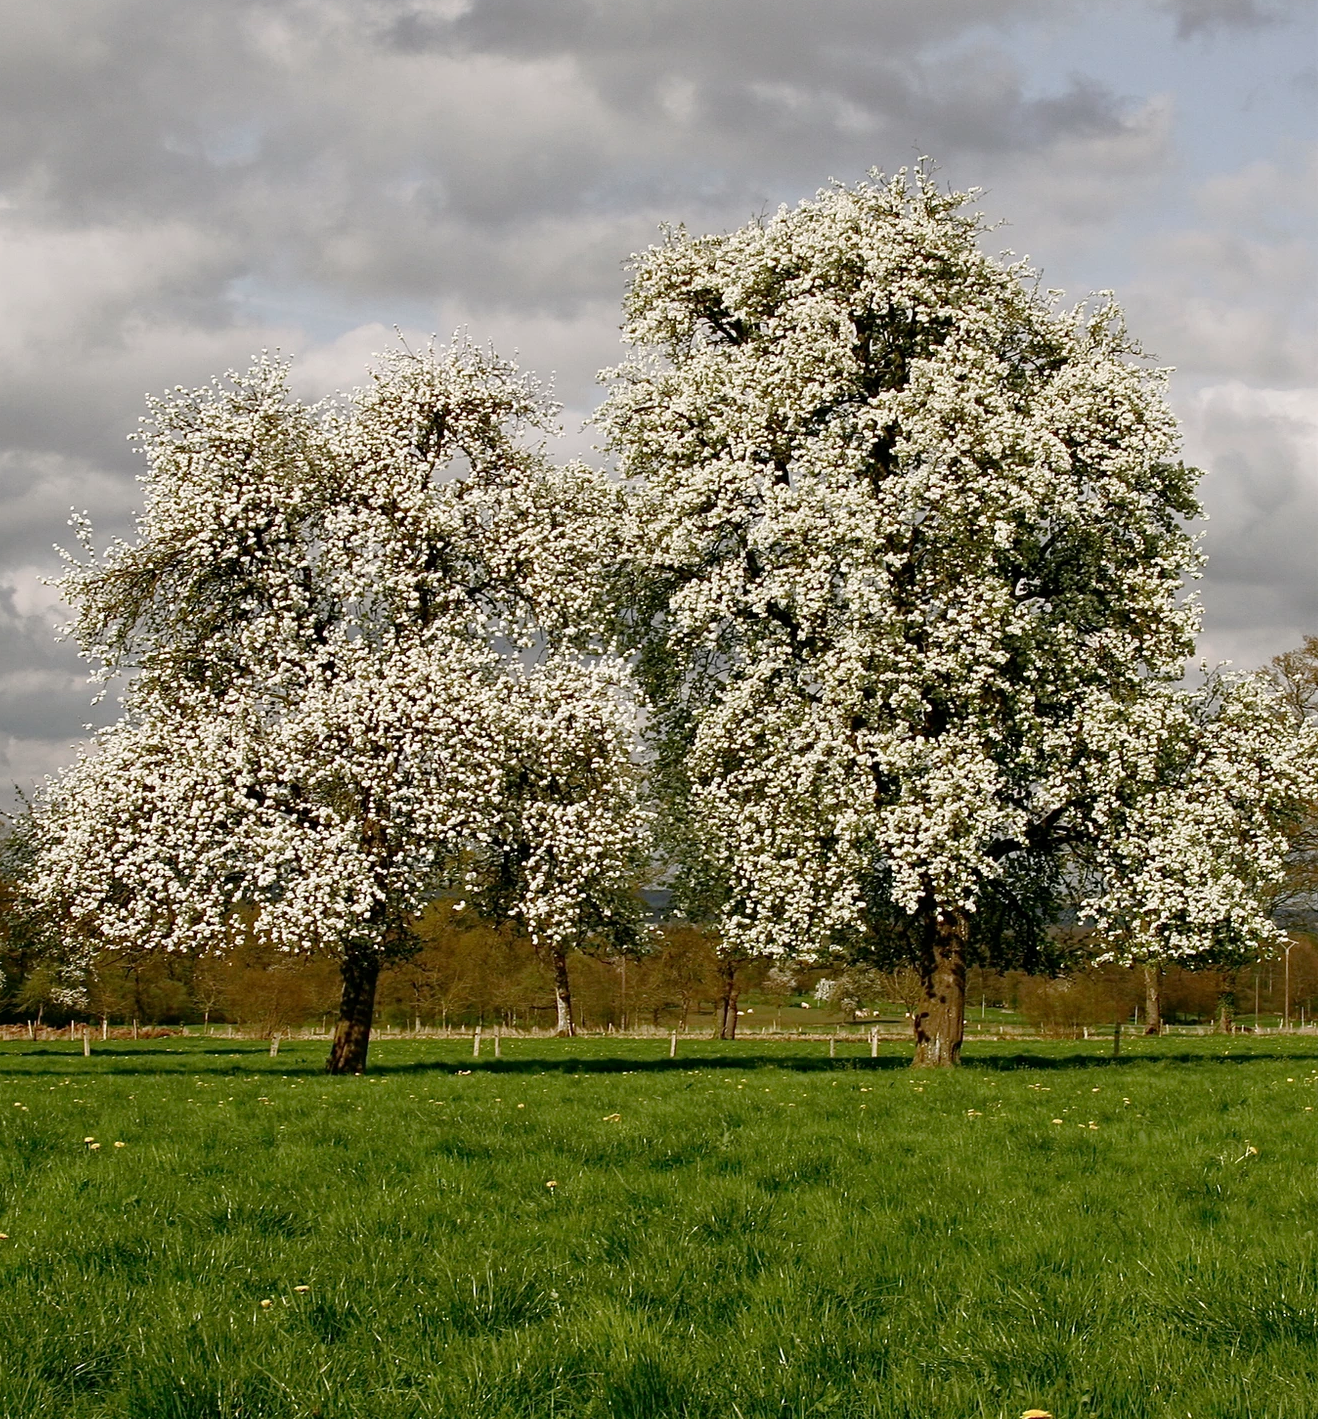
(354, 637)
(909, 553)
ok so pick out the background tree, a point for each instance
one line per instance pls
(1196, 795)
(686, 968)
(569, 787)
(1295, 898)
(910, 547)
(338, 625)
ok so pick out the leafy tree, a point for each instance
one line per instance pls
(1193, 839)
(362, 663)
(1295, 673)
(906, 592)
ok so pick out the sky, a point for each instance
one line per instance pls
(182, 186)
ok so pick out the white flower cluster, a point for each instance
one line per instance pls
(904, 560)
(913, 531)
(365, 661)
(1189, 802)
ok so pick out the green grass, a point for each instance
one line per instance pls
(760, 1232)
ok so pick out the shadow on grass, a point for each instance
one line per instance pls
(304, 1060)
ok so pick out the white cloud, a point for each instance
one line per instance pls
(1259, 448)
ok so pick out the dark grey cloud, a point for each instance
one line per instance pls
(1196, 17)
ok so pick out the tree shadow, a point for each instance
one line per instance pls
(1106, 1061)
(305, 1059)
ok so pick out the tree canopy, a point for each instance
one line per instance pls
(910, 557)
(363, 665)
(899, 557)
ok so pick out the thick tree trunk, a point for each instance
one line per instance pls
(352, 1035)
(1226, 1012)
(940, 1017)
(1152, 998)
(563, 994)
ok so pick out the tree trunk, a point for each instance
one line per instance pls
(352, 1035)
(940, 1017)
(1152, 998)
(563, 994)
(726, 1016)
(1226, 1012)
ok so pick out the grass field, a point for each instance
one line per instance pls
(586, 1228)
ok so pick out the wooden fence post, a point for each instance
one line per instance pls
(86, 1042)
(476, 1042)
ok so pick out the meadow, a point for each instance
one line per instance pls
(587, 1228)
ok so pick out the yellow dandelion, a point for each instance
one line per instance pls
(4, 1236)
(301, 1289)
(1036, 1414)
(1057, 1120)
(118, 1144)
(612, 1118)
(93, 1146)
(265, 1305)
(552, 1184)
(89, 1140)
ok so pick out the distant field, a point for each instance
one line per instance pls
(588, 1229)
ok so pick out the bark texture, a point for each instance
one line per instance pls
(1152, 999)
(940, 1016)
(352, 1035)
(1226, 1012)
(726, 1019)
(563, 995)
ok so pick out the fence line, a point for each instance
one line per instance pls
(860, 1033)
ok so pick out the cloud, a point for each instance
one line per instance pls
(1260, 449)
(184, 185)
(1197, 17)
(1237, 293)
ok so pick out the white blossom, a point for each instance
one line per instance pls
(914, 542)
(363, 646)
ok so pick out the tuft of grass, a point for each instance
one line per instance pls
(749, 1230)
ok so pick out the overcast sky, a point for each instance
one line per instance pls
(185, 184)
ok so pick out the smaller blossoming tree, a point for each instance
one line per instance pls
(355, 638)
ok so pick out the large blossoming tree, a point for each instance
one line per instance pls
(362, 660)
(907, 592)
